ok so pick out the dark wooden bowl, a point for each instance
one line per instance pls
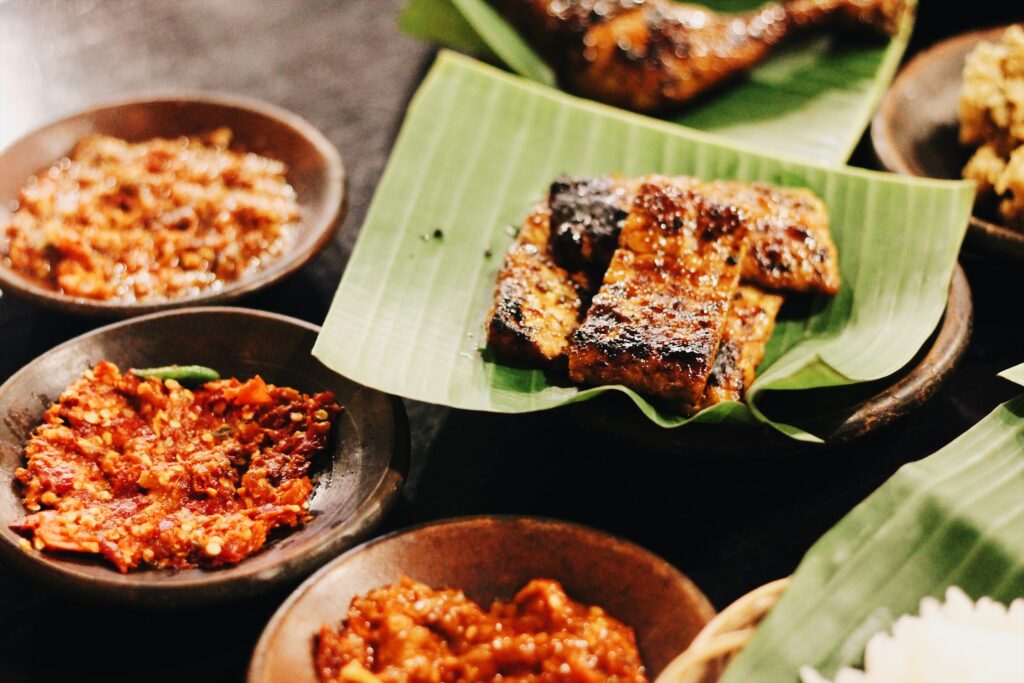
(488, 558)
(841, 414)
(915, 131)
(314, 170)
(355, 482)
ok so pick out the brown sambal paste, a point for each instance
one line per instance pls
(148, 472)
(410, 633)
(159, 219)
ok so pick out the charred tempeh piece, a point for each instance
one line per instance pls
(791, 248)
(586, 218)
(657, 321)
(537, 304)
(650, 55)
(747, 331)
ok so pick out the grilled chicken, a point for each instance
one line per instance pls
(657, 321)
(790, 247)
(649, 55)
(537, 304)
(747, 331)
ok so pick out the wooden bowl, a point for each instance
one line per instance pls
(355, 483)
(915, 131)
(840, 414)
(488, 558)
(314, 170)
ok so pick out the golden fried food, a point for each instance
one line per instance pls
(991, 113)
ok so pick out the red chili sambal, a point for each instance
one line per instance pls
(148, 472)
(410, 633)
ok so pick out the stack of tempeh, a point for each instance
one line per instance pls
(638, 282)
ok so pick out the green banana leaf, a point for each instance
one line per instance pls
(954, 518)
(477, 150)
(812, 98)
(1014, 374)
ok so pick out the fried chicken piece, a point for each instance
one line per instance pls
(649, 55)
(656, 323)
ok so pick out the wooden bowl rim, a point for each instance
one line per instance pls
(148, 587)
(336, 181)
(989, 234)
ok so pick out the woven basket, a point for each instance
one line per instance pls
(723, 637)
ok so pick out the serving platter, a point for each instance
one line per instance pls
(491, 558)
(315, 171)
(476, 152)
(915, 131)
(355, 482)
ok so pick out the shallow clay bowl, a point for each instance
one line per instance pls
(915, 131)
(355, 482)
(488, 558)
(837, 415)
(314, 170)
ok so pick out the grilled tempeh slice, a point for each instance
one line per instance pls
(587, 214)
(537, 304)
(657, 321)
(747, 331)
(791, 248)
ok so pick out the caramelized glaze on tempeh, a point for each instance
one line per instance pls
(747, 331)
(791, 248)
(587, 214)
(537, 304)
(657, 321)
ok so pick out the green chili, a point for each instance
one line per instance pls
(191, 375)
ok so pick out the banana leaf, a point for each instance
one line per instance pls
(812, 98)
(954, 518)
(1014, 374)
(477, 150)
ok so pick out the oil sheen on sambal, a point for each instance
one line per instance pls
(410, 633)
(149, 472)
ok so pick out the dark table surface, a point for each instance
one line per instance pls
(344, 66)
